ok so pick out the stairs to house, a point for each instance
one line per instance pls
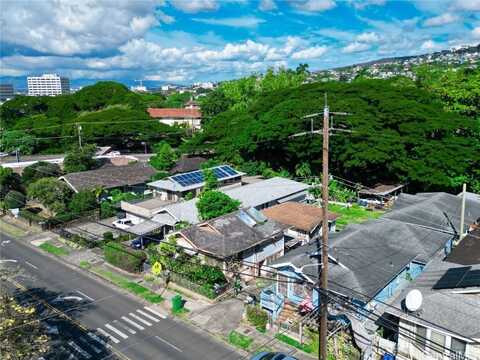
(289, 313)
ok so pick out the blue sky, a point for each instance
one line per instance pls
(185, 41)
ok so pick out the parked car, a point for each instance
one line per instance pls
(140, 242)
(272, 356)
(123, 223)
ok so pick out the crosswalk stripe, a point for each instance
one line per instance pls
(147, 315)
(133, 323)
(155, 312)
(104, 333)
(122, 325)
(78, 349)
(116, 331)
(140, 319)
(97, 339)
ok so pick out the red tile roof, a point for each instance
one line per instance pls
(174, 113)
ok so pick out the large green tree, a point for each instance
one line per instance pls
(51, 192)
(40, 170)
(11, 141)
(80, 159)
(215, 203)
(8, 181)
(397, 132)
(165, 157)
(83, 202)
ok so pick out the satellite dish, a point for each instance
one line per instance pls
(414, 299)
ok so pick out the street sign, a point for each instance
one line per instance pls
(157, 268)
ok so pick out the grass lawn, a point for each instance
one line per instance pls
(85, 264)
(128, 285)
(239, 340)
(353, 215)
(10, 229)
(52, 249)
(292, 342)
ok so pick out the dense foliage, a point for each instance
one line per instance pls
(50, 192)
(40, 170)
(80, 159)
(8, 181)
(164, 157)
(125, 258)
(14, 200)
(106, 113)
(82, 202)
(215, 203)
(400, 132)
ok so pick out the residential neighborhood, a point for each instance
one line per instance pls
(240, 180)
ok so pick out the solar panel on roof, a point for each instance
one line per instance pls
(196, 177)
(472, 278)
(229, 170)
(452, 278)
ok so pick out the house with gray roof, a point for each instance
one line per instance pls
(448, 317)
(130, 177)
(371, 262)
(260, 195)
(245, 237)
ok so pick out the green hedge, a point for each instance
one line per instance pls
(26, 214)
(123, 257)
(257, 317)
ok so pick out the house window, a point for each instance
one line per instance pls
(458, 347)
(437, 341)
(421, 336)
(298, 289)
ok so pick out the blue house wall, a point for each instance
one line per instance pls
(409, 273)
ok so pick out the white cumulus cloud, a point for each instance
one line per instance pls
(66, 27)
(429, 45)
(368, 37)
(355, 47)
(310, 53)
(440, 20)
(267, 5)
(195, 6)
(312, 5)
(240, 22)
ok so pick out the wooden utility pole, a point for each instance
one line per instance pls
(462, 214)
(323, 272)
(79, 129)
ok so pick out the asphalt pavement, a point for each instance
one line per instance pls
(89, 319)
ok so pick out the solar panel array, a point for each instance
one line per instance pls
(196, 177)
(458, 278)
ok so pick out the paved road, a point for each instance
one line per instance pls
(112, 325)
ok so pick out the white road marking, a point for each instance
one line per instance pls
(155, 312)
(97, 339)
(147, 315)
(8, 260)
(131, 331)
(170, 344)
(133, 323)
(5, 242)
(140, 319)
(104, 333)
(29, 263)
(84, 295)
(78, 349)
(116, 331)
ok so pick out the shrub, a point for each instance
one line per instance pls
(123, 257)
(14, 199)
(177, 303)
(83, 202)
(108, 236)
(257, 317)
(215, 203)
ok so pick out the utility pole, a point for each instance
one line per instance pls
(79, 129)
(323, 328)
(462, 214)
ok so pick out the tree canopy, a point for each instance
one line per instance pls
(80, 159)
(40, 170)
(51, 192)
(215, 203)
(399, 132)
(165, 157)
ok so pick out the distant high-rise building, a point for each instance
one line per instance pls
(48, 85)
(6, 92)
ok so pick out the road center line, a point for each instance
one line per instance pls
(30, 264)
(168, 343)
(84, 295)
